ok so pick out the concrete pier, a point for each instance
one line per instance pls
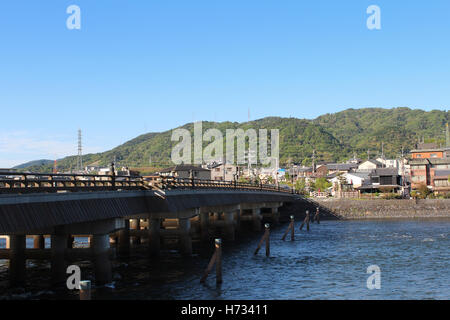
(123, 248)
(185, 244)
(38, 242)
(237, 219)
(58, 263)
(256, 219)
(229, 230)
(70, 241)
(135, 224)
(204, 225)
(154, 236)
(102, 264)
(17, 262)
(275, 215)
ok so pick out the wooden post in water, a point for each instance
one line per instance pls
(265, 238)
(85, 290)
(218, 244)
(215, 259)
(306, 221)
(290, 227)
(317, 216)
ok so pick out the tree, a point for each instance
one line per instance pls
(322, 184)
(423, 191)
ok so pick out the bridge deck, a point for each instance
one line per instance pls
(39, 211)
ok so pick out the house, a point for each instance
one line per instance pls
(383, 178)
(441, 180)
(223, 172)
(186, 171)
(304, 172)
(341, 167)
(354, 160)
(320, 172)
(389, 163)
(358, 179)
(369, 165)
(91, 168)
(352, 179)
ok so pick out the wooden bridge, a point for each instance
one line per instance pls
(125, 210)
(20, 183)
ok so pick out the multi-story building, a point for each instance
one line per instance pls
(430, 151)
(430, 172)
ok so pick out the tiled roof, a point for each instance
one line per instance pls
(385, 172)
(444, 174)
(341, 166)
(183, 167)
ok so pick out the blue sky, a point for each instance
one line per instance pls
(143, 66)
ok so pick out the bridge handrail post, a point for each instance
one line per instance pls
(113, 176)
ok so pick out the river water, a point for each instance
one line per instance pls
(328, 262)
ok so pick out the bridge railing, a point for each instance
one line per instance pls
(170, 183)
(14, 182)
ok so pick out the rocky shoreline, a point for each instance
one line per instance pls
(356, 209)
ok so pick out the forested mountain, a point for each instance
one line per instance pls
(35, 163)
(335, 137)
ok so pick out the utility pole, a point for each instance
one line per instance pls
(80, 153)
(447, 136)
(314, 161)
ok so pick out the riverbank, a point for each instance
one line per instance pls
(388, 209)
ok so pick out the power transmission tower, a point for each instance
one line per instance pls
(80, 153)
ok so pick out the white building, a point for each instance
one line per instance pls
(369, 165)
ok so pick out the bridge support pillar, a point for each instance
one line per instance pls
(229, 232)
(17, 260)
(124, 240)
(70, 241)
(275, 215)
(204, 225)
(58, 263)
(154, 236)
(38, 242)
(185, 236)
(136, 225)
(256, 218)
(238, 214)
(102, 264)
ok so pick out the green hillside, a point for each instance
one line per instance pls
(335, 137)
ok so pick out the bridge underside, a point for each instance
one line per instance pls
(128, 217)
(30, 213)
